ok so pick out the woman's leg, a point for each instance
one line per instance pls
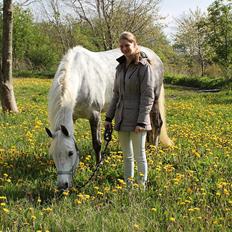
(128, 157)
(138, 141)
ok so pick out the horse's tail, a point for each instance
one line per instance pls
(163, 135)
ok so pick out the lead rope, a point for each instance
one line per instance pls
(107, 137)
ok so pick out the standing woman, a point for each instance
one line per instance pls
(132, 101)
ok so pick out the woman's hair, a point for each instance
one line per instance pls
(132, 39)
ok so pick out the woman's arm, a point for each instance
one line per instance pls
(147, 94)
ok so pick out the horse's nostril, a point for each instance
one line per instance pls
(66, 185)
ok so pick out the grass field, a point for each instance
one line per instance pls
(189, 185)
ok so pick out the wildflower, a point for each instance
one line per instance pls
(226, 192)
(78, 202)
(48, 209)
(121, 181)
(191, 210)
(3, 198)
(169, 168)
(172, 219)
(65, 193)
(33, 217)
(136, 226)
(135, 185)
(6, 210)
(218, 194)
(153, 209)
(99, 193)
(106, 189)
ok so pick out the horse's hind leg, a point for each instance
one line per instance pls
(95, 124)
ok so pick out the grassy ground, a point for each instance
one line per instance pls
(189, 185)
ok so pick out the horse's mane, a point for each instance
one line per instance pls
(62, 97)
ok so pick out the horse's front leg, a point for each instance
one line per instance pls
(95, 124)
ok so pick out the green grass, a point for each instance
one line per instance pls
(189, 185)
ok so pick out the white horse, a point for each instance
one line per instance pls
(82, 88)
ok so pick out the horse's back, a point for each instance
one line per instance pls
(88, 78)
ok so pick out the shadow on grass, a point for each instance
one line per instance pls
(28, 176)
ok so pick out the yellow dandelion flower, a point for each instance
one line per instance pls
(3, 204)
(135, 185)
(172, 219)
(136, 226)
(48, 209)
(6, 210)
(153, 209)
(65, 193)
(107, 189)
(86, 197)
(182, 203)
(78, 202)
(226, 192)
(33, 217)
(100, 193)
(121, 181)
(218, 194)
(191, 210)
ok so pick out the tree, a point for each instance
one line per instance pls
(220, 34)
(190, 40)
(108, 18)
(7, 93)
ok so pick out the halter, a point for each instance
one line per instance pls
(72, 170)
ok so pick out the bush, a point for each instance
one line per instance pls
(195, 82)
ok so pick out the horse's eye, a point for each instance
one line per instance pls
(70, 153)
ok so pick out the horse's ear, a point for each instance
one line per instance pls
(49, 132)
(64, 130)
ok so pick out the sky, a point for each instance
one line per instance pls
(172, 9)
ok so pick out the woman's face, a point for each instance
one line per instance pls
(127, 48)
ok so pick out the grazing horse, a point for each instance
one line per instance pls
(83, 88)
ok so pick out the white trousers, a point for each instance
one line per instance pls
(133, 147)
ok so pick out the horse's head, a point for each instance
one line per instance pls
(65, 154)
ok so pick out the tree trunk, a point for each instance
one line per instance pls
(6, 86)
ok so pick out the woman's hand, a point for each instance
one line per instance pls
(139, 129)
